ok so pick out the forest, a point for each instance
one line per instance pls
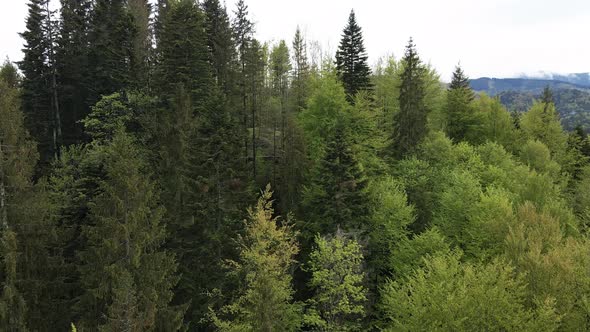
(161, 169)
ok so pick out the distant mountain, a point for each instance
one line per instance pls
(494, 86)
(571, 94)
(581, 79)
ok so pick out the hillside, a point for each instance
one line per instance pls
(517, 94)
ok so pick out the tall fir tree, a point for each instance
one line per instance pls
(351, 60)
(410, 123)
(36, 90)
(337, 196)
(301, 71)
(243, 30)
(111, 53)
(220, 43)
(127, 274)
(141, 11)
(72, 68)
(460, 112)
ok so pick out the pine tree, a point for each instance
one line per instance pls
(243, 30)
(111, 36)
(127, 275)
(37, 99)
(337, 196)
(183, 60)
(301, 73)
(339, 297)
(72, 68)
(220, 43)
(141, 11)
(351, 60)
(547, 96)
(266, 260)
(460, 113)
(410, 125)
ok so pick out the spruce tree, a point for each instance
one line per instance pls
(336, 197)
(220, 43)
(460, 112)
(111, 53)
(127, 275)
(141, 10)
(72, 68)
(301, 71)
(351, 60)
(35, 87)
(410, 123)
(183, 60)
(243, 30)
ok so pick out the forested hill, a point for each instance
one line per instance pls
(572, 99)
(162, 169)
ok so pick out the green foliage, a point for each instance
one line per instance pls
(339, 299)
(447, 295)
(391, 215)
(13, 309)
(267, 252)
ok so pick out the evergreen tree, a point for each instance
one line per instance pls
(336, 197)
(183, 60)
(301, 71)
(35, 87)
(351, 60)
(266, 260)
(111, 52)
(547, 97)
(339, 297)
(127, 275)
(460, 113)
(243, 30)
(220, 43)
(410, 125)
(72, 67)
(141, 10)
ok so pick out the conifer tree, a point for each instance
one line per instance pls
(220, 43)
(336, 197)
(72, 67)
(35, 87)
(111, 53)
(243, 30)
(460, 112)
(127, 275)
(141, 10)
(351, 59)
(301, 71)
(183, 60)
(410, 122)
(267, 256)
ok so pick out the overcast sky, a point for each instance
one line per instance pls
(495, 38)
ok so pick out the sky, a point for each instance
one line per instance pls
(491, 38)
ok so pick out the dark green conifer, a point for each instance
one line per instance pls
(460, 112)
(351, 59)
(410, 125)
